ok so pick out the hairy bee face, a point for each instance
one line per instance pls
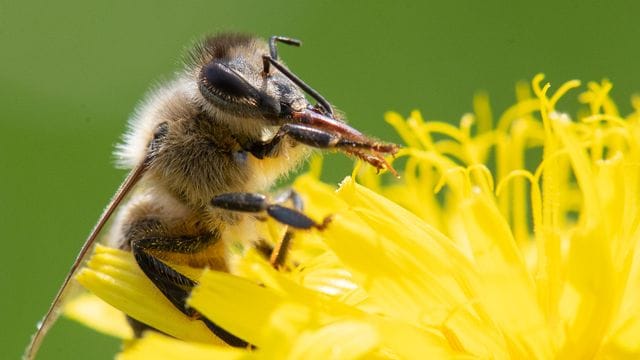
(231, 78)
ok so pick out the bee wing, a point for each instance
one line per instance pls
(54, 309)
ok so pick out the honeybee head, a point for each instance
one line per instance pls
(235, 76)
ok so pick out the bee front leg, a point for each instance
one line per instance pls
(364, 149)
(147, 243)
(307, 135)
(262, 149)
(314, 137)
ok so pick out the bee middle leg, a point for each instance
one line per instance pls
(279, 253)
(147, 243)
(258, 203)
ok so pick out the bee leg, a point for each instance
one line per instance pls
(310, 136)
(173, 285)
(262, 149)
(293, 196)
(258, 203)
(269, 148)
(320, 139)
(278, 255)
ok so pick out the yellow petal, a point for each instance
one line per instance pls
(93, 312)
(235, 304)
(340, 340)
(273, 319)
(160, 347)
(114, 276)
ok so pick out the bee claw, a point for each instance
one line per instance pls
(326, 221)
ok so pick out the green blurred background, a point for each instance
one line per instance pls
(71, 72)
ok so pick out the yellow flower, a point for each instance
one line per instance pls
(515, 240)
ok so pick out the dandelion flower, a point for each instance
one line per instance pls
(517, 239)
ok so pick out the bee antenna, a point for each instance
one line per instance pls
(296, 80)
(273, 50)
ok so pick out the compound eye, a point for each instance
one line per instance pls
(224, 82)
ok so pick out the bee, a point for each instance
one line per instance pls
(203, 149)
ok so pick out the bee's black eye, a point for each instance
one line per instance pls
(224, 86)
(223, 81)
